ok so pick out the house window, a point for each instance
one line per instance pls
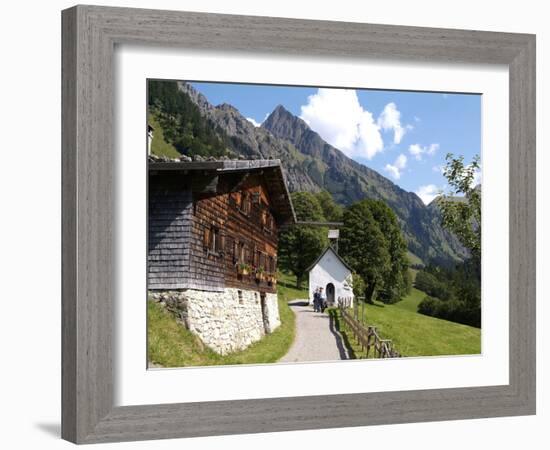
(256, 198)
(267, 221)
(213, 240)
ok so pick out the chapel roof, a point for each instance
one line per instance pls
(331, 249)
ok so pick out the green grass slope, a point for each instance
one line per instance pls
(414, 334)
(411, 301)
(159, 146)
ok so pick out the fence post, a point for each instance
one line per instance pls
(366, 335)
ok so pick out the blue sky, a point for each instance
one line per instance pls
(403, 135)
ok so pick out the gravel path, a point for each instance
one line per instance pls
(316, 338)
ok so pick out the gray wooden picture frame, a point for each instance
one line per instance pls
(90, 34)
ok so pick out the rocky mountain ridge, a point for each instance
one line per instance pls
(311, 164)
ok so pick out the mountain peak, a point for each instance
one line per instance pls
(283, 124)
(278, 114)
(280, 109)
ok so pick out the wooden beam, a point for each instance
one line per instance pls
(320, 224)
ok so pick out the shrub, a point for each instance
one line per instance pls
(452, 310)
(429, 283)
(428, 305)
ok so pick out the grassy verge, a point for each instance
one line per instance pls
(170, 344)
(414, 334)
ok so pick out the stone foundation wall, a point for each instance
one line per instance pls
(272, 312)
(225, 321)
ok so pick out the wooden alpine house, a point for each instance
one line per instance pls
(212, 245)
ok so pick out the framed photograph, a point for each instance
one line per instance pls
(264, 228)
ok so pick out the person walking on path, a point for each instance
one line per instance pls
(322, 301)
(316, 297)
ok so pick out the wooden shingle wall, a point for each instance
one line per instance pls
(206, 270)
(169, 235)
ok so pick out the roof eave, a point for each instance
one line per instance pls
(288, 215)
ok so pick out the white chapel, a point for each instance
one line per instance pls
(331, 273)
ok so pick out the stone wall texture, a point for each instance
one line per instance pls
(225, 321)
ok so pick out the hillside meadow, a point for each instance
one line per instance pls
(414, 334)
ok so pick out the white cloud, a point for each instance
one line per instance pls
(339, 118)
(438, 168)
(477, 178)
(390, 120)
(427, 193)
(253, 122)
(418, 150)
(396, 169)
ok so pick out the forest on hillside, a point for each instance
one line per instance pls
(182, 123)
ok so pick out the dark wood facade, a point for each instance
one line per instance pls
(214, 226)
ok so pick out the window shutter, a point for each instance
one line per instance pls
(227, 244)
(219, 241)
(206, 238)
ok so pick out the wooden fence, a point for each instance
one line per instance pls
(367, 336)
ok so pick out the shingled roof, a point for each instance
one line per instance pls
(270, 170)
